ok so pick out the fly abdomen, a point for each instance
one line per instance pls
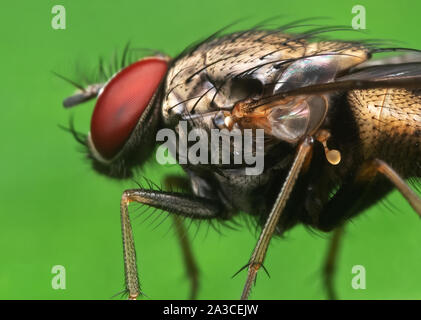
(389, 125)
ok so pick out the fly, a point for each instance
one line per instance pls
(340, 132)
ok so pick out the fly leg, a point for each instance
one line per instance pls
(188, 257)
(179, 204)
(259, 253)
(412, 198)
(181, 232)
(349, 196)
(330, 262)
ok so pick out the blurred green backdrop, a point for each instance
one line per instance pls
(56, 211)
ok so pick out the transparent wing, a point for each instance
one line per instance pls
(405, 75)
(292, 114)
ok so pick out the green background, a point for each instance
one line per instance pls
(56, 211)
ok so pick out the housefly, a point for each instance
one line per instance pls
(340, 131)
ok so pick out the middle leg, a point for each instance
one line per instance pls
(190, 263)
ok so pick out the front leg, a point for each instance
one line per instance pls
(180, 204)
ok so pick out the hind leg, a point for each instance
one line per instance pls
(329, 267)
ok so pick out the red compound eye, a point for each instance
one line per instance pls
(122, 102)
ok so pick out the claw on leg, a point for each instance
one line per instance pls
(251, 279)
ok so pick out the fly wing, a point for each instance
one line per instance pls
(405, 75)
(392, 73)
(313, 70)
(403, 58)
(294, 113)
